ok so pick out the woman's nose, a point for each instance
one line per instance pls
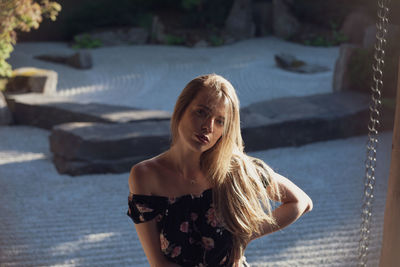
(209, 125)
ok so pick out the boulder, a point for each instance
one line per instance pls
(353, 69)
(239, 23)
(26, 80)
(5, 114)
(291, 63)
(80, 60)
(355, 25)
(341, 75)
(370, 35)
(285, 24)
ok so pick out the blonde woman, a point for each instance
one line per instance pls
(203, 200)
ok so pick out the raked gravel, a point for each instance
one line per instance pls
(48, 219)
(153, 75)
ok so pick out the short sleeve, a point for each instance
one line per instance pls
(143, 208)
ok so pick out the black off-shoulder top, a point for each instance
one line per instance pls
(190, 233)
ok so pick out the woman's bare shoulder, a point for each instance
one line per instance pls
(143, 177)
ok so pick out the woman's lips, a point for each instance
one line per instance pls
(202, 138)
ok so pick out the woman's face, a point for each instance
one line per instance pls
(202, 123)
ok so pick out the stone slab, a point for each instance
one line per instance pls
(100, 141)
(81, 148)
(5, 114)
(47, 111)
(80, 167)
(295, 121)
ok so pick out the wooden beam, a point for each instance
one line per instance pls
(390, 252)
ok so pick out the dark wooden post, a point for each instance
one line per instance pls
(390, 253)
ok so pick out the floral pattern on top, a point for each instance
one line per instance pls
(190, 233)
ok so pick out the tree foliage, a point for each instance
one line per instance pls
(22, 15)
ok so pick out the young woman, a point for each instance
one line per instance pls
(203, 200)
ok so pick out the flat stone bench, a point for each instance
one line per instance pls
(81, 148)
(295, 121)
(85, 147)
(46, 111)
(101, 138)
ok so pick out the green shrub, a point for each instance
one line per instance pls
(216, 40)
(335, 37)
(190, 4)
(174, 39)
(20, 15)
(86, 41)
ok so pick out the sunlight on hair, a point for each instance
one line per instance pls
(7, 157)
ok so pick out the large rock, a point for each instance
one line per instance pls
(5, 114)
(239, 23)
(48, 111)
(291, 63)
(392, 37)
(285, 24)
(25, 80)
(353, 70)
(80, 60)
(97, 147)
(341, 75)
(355, 25)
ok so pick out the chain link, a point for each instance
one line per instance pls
(372, 141)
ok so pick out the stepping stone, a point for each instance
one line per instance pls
(82, 148)
(28, 79)
(291, 63)
(47, 111)
(295, 121)
(86, 147)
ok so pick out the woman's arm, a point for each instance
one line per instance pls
(295, 202)
(149, 236)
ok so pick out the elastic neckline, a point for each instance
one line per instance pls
(178, 197)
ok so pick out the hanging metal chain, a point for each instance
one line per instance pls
(372, 142)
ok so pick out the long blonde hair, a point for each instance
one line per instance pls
(234, 176)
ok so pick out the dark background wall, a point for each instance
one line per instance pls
(85, 15)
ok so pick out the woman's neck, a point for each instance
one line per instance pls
(186, 162)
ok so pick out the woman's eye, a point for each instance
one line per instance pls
(201, 112)
(220, 122)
